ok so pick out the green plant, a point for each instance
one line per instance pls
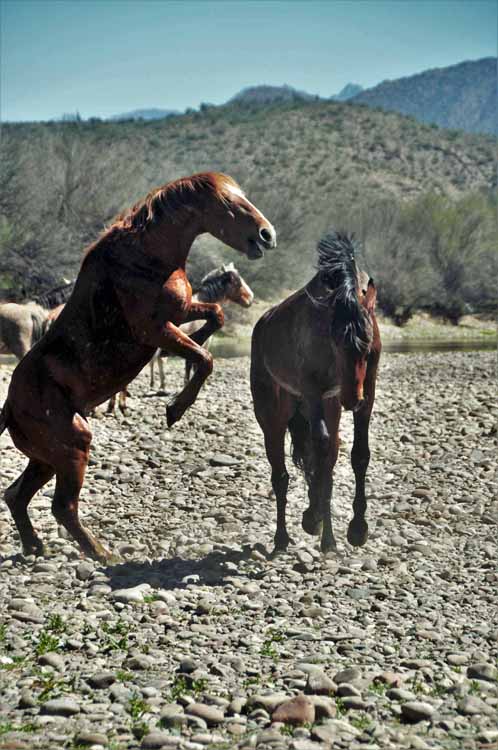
(47, 642)
(474, 688)
(17, 661)
(379, 688)
(136, 708)
(56, 624)
(287, 730)
(123, 676)
(3, 634)
(360, 721)
(116, 636)
(268, 648)
(340, 707)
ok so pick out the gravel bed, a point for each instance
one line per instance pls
(198, 640)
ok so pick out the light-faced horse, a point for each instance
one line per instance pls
(130, 298)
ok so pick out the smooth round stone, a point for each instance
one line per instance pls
(101, 680)
(417, 711)
(457, 660)
(210, 714)
(483, 672)
(299, 710)
(87, 739)
(52, 659)
(350, 674)
(400, 694)
(60, 707)
(319, 683)
(472, 705)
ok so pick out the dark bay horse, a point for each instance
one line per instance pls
(313, 354)
(130, 297)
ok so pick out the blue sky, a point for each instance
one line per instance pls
(103, 57)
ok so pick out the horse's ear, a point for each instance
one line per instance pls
(370, 296)
(229, 267)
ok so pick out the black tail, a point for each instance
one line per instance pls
(302, 452)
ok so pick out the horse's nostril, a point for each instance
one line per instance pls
(265, 234)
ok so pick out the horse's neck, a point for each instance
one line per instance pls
(177, 238)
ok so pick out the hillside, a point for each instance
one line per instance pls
(462, 96)
(307, 165)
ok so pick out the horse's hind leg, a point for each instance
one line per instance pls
(70, 473)
(273, 413)
(18, 497)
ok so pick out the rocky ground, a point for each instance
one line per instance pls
(197, 640)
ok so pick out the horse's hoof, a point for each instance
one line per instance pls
(36, 548)
(328, 547)
(358, 533)
(281, 546)
(310, 523)
(171, 415)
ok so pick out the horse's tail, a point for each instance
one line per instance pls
(4, 417)
(302, 451)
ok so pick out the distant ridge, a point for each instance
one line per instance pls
(349, 90)
(144, 114)
(462, 96)
(264, 94)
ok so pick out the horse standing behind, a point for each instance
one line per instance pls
(130, 297)
(23, 324)
(220, 285)
(313, 354)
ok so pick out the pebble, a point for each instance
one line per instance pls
(299, 710)
(417, 711)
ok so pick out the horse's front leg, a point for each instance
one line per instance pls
(320, 439)
(360, 455)
(174, 341)
(212, 313)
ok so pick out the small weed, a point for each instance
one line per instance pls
(474, 688)
(47, 642)
(287, 730)
(17, 661)
(268, 648)
(149, 598)
(360, 721)
(340, 708)
(181, 686)
(56, 624)
(438, 690)
(137, 707)
(9, 727)
(457, 668)
(417, 684)
(123, 676)
(250, 682)
(379, 688)
(50, 685)
(116, 636)
(3, 634)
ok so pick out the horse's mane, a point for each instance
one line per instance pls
(55, 297)
(165, 202)
(214, 283)
(339, 274)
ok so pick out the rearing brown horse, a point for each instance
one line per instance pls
(130, 297)
(313, 354)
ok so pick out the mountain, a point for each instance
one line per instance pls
(349, 90)
(262, 95)
(144, 114)
(462, 96)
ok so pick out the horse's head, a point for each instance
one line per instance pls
(234, 220)
(236, 288)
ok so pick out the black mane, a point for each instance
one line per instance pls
(338, 272)
(55, 297)
(214, 285)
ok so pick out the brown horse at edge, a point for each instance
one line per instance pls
(313, 354)
(129, 299)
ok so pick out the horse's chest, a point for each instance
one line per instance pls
(175, 299)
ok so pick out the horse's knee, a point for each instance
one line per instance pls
(280, 482)
(217, 316)
(204, 366)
